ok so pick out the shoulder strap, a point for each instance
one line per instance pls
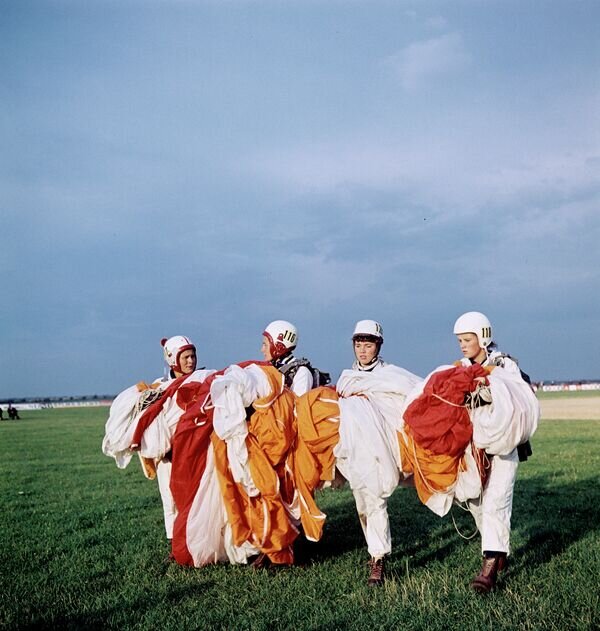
(499, 358)
(293, 365)
(290, 369)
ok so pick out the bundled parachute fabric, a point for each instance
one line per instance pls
(513, 416)
(155, 428)
(353, 429)
(436, 438)
(170, 424)
(198, 534)
(439, 478)
(441, 436)
(365, 455)
(371, 408)
(311, 460)
(198, 529)
(124, 413)
(438, 418)
(387, 387)
(250, 459)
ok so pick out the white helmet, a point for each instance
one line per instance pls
(368, 328)
(282, 336)
(475, 322)
(173, 347)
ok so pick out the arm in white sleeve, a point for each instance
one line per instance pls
(303, 381)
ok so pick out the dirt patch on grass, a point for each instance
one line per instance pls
(576, 408)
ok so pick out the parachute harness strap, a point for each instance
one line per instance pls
(147, 398)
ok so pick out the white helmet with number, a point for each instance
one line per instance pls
(282, 336)
(173, 347)
(477, 323)
(368, 328)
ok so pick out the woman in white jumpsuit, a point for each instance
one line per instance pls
(128, 407)
(372, 399)
(492, 510)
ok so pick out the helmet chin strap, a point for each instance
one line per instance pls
(283, 359)
(487, 355)
(366, 367)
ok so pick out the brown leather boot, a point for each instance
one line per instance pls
(261, 561)
(377, 575)
(485, 581)
(502, 562)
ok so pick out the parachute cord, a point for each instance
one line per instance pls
(466, 537)
(465, 507)
(456, 405)
(145, 400)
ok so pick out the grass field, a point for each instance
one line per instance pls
(562, 394)
(83, 547)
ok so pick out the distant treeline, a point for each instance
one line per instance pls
(547, 386)
(47, 400)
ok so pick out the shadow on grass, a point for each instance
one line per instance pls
(341, 534)
(119, 616)
(548, 515)
(413, 526)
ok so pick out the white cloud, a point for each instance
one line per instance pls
(574, 219)
(463, 159)
(426, 60)
(437, 22)
(431, 172)
(326, 279)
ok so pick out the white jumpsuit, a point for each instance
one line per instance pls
(383, 411)
(492, 511)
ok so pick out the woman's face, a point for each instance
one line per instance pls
(365, 352)
(265, 349)
(187, 362)
(469, 345)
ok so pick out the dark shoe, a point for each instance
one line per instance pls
(502, 562)
(493, 563)
(261, 561)
(170, 558)
(377, 575)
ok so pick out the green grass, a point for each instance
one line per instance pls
(580, 394)
(83, 547)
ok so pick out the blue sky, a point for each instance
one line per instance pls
(205, 167)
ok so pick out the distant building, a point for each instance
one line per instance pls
(567, 386)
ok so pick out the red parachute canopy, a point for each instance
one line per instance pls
(438, 418)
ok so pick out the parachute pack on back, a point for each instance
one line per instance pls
(289, 371)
